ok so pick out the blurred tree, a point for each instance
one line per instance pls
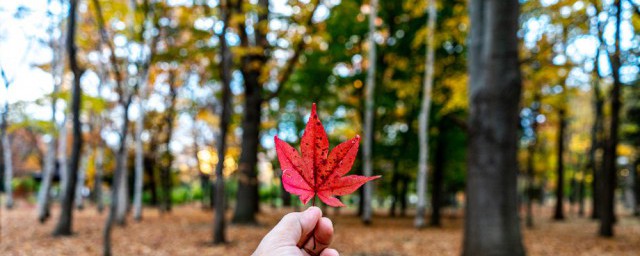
(491, 216)
(423, 170)
(369, 92)
(63, 228)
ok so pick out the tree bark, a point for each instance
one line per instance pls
(423, 120)
(6, 154)
(559, 209)
(64, 225)
(491, 214)
(596, 143)
(369, 114)
(165, 172)
(609, 173)
(219, 235)
(247, 204)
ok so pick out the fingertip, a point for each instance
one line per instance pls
(314, 211)
(329, 252)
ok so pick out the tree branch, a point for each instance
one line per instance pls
(105, 39)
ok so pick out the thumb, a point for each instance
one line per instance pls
(295, 228)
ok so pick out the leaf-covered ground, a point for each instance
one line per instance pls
(187, 231)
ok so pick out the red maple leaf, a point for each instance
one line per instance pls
(318, 172)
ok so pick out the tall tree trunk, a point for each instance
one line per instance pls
(64, 225)
(596, 143)
(369, 113)
(559, 209)
(607, 204)
(6, 154)
(139, 164)
(438, 175)
(57, 68)
(491, 215)
(165, 172)
(219, 235)
(247, 204)
(423, 133)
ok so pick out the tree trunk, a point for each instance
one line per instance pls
(82, 172)
(247, 204)
(596, 143)
(394, 186)
(6, 154)
(122, 179)
(369, 113)
(165, 172)
(57, 67)
(559, 209)
(219, 235)
(491, 215)
(609, 173)
(403, 195)
(139, 168)
(64, 225)
(438, 175)
(423, 133)
(99, 168)
(636, 187)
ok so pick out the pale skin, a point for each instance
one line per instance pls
(296, 233)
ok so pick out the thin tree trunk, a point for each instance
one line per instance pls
(64, 225)
(122, 179)
(369, 113)
(57, 68)
(394, 186)
(531, 150)
(63, 142)
(596, 143)
(423, 133)
(491, 225)
(82, 172)
(559, 209)
(403, 196)
(607, 212)
(219, 235)
(165, 172)
(581, 190)
(438, 175)
(99, 168)
(139, 168)
(6, 154)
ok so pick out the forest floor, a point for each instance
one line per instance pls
(187, 231)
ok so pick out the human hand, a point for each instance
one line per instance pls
(296, 234)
